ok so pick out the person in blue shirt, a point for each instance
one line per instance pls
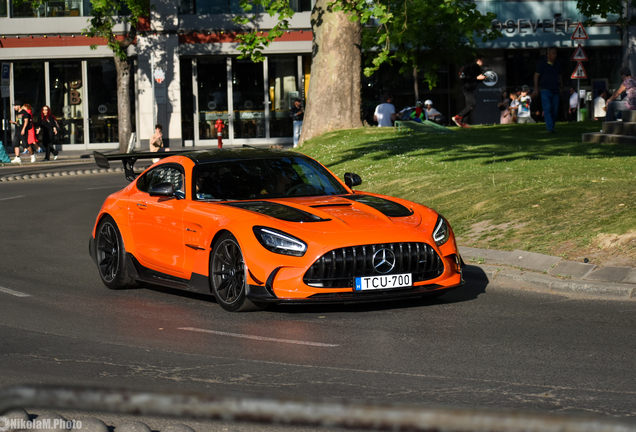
(547, 82)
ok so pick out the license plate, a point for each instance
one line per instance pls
(383, 282)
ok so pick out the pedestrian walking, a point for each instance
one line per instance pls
(628, 102)
(297, 114)
(574, 105)
(48, 131)
(384, 113)
(547, 83)
(470, 75)
(17, 134)
(24, 120)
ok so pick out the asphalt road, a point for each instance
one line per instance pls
(481, 346)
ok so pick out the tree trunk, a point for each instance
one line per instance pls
(123, 102)
(416, 85)
(334, 99)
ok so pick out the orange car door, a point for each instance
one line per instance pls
(156, 224)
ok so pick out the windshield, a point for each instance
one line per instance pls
(263, 178)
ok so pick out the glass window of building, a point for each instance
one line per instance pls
(3, 9)
(248, 96)
(204, 7)
(102, 104)
(28, 81)
(283, 89)
(67, 99)
(212, 82)
(301, 5)
(52, 8)
(187, 106)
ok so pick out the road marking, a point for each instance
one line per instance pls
(261, 338)
(19, 196)
(102, 187)
(13, 293)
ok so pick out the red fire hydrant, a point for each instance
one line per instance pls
(219, 125)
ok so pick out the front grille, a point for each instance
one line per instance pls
(338, 268)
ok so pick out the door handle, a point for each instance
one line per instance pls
(142, 205)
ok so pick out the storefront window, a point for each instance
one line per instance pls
(102, 104)
(187, 107)
(283, 89)
(212, 104)
(248, 95)
(204, 7)
(28, 80)
(50, 9)
(300, 5)
(67, 99)
(3, 9)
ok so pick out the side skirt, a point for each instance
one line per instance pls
(198, 283)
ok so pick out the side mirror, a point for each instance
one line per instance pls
(162, 189)
(352, 179)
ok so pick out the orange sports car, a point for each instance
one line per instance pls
(257, 226)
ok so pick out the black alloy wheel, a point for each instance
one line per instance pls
(111, 255)
(227, 275)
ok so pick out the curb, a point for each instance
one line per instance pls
(61, 173)
(550, 284)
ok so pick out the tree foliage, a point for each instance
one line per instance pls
(622, 8)
(423, 34)
(105, 14)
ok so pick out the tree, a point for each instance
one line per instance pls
(395, 30)
(622, 8)
(105, 14)
(425, 36)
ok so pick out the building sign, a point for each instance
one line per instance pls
(488, 92)
(529, 26)
(5, 82)
(160, 85)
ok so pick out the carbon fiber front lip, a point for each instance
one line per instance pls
(357, 297)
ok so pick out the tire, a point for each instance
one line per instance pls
(111, 255)
(227, 275)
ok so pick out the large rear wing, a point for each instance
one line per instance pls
(128, 159)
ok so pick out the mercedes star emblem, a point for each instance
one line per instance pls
(384, 260)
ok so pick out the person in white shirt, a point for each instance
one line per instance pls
(599, 105)
(574, 104)
(432, 114)
(523, 112)
(384, 113)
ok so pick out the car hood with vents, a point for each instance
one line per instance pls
(359, 212)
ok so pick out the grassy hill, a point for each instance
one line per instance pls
(504, 187)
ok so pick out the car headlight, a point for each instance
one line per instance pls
(280, 242)
(441, 234)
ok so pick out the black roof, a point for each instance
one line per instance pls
(216, 155)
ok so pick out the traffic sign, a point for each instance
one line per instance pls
(579, 33)
(579, 54)
(579, 72)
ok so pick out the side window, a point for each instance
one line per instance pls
(162, 174)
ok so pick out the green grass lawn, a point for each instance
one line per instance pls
(503, 187)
